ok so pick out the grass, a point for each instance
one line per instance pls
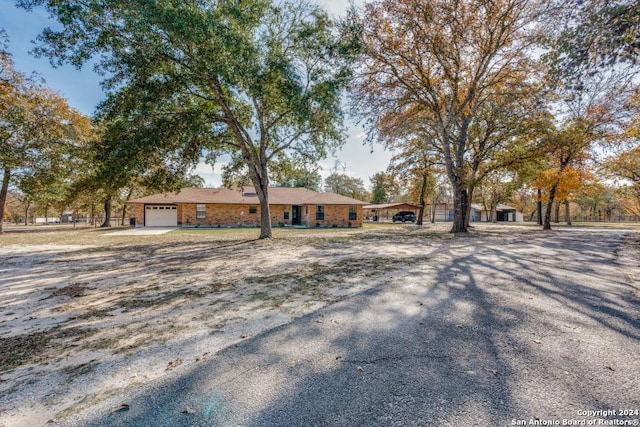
(616, 225)
(37, 347)
(98, 239)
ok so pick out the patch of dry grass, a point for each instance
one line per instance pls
(37, 347)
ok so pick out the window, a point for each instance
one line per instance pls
(253, 209)
(201, 212)
(286, 213)
(320, 213)
(353, 213)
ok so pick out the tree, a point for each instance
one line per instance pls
(384, 188)
(588, 115)
(345, 185)
(496, 188)
(290, 171)
(587, 36)
(38, 133)
(252, 79)
(14, 210)
(625, 166)
(440, 62)
(595, 198)
(558, 183)
(105, 174)
(628, 198)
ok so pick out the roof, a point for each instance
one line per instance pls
(393, 206)
(499, 207)
(277, 196)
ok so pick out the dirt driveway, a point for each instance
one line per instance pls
(86, 318)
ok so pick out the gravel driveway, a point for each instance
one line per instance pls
(492, 330)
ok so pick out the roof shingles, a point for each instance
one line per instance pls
(277, 196)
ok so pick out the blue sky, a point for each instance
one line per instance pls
(82, 90)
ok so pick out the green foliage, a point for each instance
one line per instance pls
(589, 36)
(296, 172)
(345, 185)
(40, 136)
(595, 196)
(385, 188)
(247, 78)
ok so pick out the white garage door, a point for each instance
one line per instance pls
(161, 216)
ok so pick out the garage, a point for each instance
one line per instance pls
(161, 216)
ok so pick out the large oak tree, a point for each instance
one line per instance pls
(442, 61)
(252, 78)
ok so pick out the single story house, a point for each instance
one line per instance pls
(223, 207)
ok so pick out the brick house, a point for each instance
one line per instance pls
(223, 207)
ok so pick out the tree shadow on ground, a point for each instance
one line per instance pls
(491, 334)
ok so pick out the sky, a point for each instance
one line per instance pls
(82, 90)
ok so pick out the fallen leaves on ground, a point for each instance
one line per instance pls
(174, 363)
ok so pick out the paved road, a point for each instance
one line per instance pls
(489, 332)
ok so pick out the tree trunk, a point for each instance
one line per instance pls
(539, 206)
(467, 213)
(6, 176)
(567, 212)
(557, 213)
(124, 207)
(460, 201)
(107, 213)
(547, 214)
(26, 214)
(423, 190)
(260, 179)
(433, 210)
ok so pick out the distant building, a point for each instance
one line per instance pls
(441, 212)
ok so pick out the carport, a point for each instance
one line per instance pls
(384, 212)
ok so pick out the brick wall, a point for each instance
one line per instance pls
(139, 214)
(224, 215)
(234, 215)
(334, 215)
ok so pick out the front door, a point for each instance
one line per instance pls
(295, 215)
